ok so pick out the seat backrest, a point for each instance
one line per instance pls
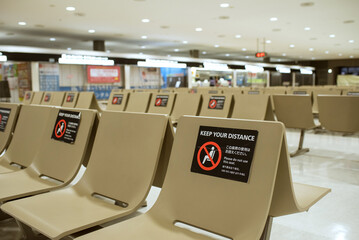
(53, 98)
(64, 143)
(186, 104)
(70, 99)
(339, 113)
(87, 100)
(252, 106)
(274, 91)
(295, 111)
(28, 97)
(216, 105)
(138, 102)
(227, 192)
(117, 100)
(37, 97)
(289, 197)
(8, 118)
(162, 103)
(27, 135)
(322, 91)
(125, 156)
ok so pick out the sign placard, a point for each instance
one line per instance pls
(224, 152)
(216, 102)
(253, 92)
(353, 94)
(103, 74)
(4, 117)
(117, 99)
(300, 92)
(161, 100)
(66, 126)
(70, 97)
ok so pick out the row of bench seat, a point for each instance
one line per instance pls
(85, 100)
(127, 153)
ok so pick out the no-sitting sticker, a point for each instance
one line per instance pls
(117, 99)
(224, 152)
(161, 100)
(216, 102)
(4, 117)
(66, 126)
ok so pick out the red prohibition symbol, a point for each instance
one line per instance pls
(114, 100)
(213, 103)
(158, 101)
(0, 117)
(209, 156)
(60, 128)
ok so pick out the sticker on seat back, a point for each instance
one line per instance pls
(117, 99)
(161, 100)
(4, 117)
(66, 126)
(224, 152)
(216, 102)
(70, 97)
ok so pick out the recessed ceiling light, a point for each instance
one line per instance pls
(351, 56)
(140, 53)
(340, 54)
(184, 42)
(169, 55)
(273, 19)
(326, 52)
(307, 28)
(91, 31)
(108, 51)
(143, 47)
(284, 54)
(216, 46)
(176, 50)
(22, 23)
(332, 35)
(52, 39)
(204, 52)
(224, 5)
(227, 55)
(199, 29)
(145, 20)
(244, 49)
(69, 49)
(292, 46)
(238, 36)
(330, 70)
(351, 41)
(144, 37)
(311, 49)
(268, 41)
(313, 58)
(246, 56)
(70, 9)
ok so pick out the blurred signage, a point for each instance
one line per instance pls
(103, 74)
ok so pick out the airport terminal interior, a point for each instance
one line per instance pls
(183, 120)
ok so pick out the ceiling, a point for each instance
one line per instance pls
(171, 29)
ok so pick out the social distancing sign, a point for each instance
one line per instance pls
(117, 99)
(4, 117)
(224, 152)
(66, 126)
(216, 102)
(161, 100)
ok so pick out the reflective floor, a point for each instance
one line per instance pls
(333, 162)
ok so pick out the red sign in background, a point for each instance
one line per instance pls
(103, 74)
